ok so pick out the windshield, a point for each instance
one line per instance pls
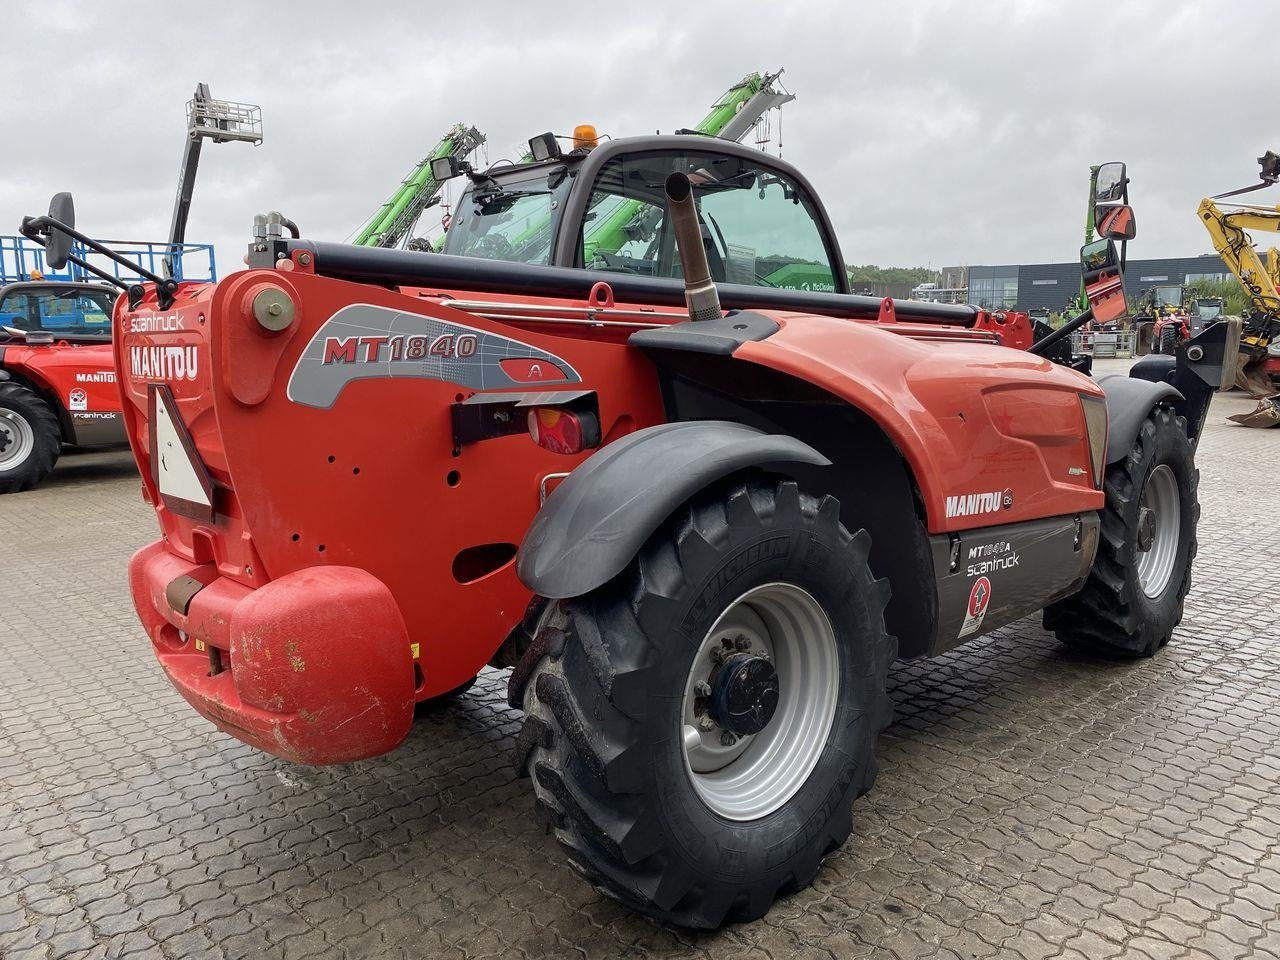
(72, 311)
(759, 227)
(1168, 296)
(1208, 309)
(508, 219)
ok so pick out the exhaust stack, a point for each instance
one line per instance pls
(699, 289)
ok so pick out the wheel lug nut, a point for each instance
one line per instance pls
(703, 689)
(728, 739)
(706, 723)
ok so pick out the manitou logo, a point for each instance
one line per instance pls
(373, 349)
(163, 363)
(100, 376)
(973, 504)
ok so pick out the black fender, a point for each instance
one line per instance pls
(1129, 401)
(595, 522)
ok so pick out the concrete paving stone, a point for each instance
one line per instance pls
(1032, 801)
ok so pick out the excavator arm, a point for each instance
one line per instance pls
(1227, 230)
(1259, 277)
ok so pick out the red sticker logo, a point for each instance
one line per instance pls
(979, 600)
(979, 597)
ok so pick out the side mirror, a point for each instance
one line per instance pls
(1103, 282)
(57, 246)
(1115, 221)
(544, 147)
(445, 168)
(1111, 183)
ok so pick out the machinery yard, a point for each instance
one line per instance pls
(548, 530)
(1032, 802)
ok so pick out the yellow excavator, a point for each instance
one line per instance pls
(1227, 222)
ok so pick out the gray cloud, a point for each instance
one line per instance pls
(936, 132)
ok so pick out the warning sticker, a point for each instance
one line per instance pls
(979, 600)
(77, 399)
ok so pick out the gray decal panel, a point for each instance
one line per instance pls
(362, 341)
(1006, 572)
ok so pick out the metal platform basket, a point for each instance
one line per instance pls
(223, 120)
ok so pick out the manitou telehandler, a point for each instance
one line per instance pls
(699, 518)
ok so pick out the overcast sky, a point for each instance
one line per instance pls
(936, 133)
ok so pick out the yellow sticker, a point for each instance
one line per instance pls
(199, 644)
(413, 650)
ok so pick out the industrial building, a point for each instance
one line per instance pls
(1054, 285)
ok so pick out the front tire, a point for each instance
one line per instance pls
(1169, 341)
(676, 778)
(30, 437)
(1133, 598)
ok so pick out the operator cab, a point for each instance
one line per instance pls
(41, 311)
(604, 208)
(1167, 298)
(1207, 310)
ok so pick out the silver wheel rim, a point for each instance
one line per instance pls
(16, 437)
(1161, 507)
(754, 775)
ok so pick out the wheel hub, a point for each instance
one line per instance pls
(760, 701)
(1158, 533)
(1146, 528)
(17, 439)
(744, 694)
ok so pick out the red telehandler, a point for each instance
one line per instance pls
(698, 516)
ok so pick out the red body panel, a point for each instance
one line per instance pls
(373, 485)
(80, 378)
(969, 418)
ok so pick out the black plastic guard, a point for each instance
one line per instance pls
(1129, 401)
(595, 522)
(720, 337)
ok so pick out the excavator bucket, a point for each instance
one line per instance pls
(1267, 414)
(1252, 378)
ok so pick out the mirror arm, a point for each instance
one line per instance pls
(1124, 244)
(1064, 331)
(32, 234)
(32, 228)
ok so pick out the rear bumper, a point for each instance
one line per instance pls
(316, 664)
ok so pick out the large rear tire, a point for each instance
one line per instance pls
(30, 437)
(1133, 598)
(698, 728)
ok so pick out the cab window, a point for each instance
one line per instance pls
(72, 312)
(758, 226)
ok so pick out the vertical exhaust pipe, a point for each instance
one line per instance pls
(699, 289)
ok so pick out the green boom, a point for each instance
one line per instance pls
(609, 234)
(419, 190)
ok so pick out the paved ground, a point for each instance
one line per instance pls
(1031, 802)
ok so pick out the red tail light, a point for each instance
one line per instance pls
(563, 431)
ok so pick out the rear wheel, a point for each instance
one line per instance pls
(30, 438)
(698, 728)
(1133, 598)
(1169, 340)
